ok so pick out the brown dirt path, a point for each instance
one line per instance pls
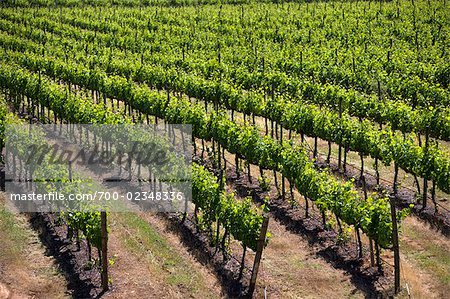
(290, 269)
(151, 262)
(26, 271)
(425, 260)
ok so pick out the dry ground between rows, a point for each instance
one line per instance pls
(25, 269)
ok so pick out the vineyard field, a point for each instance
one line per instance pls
(224, 149)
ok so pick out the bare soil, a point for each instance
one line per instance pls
(27, 270)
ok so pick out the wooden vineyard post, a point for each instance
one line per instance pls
(70, 171)
(104, 252)
(425, 177)
(340, 147)
(2, 177)
(259, 250)
(395, 246)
